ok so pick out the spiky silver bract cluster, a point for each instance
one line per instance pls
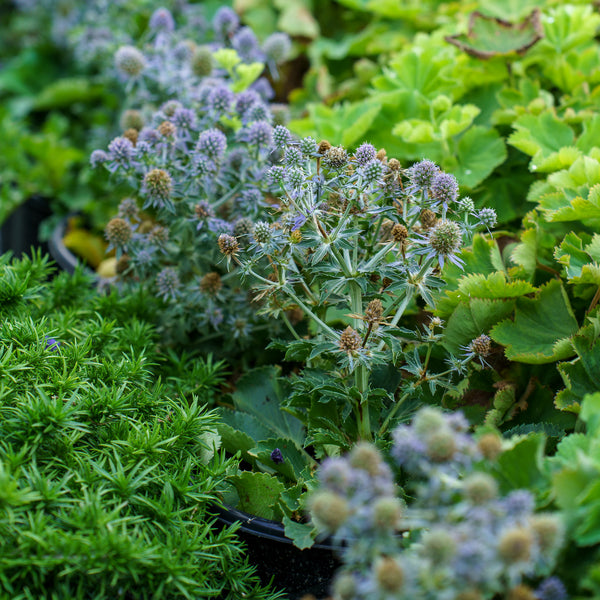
(463, 539)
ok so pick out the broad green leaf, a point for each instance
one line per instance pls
(240, 430)
(295, 460)
(65, 92)
(542, 327)
(471, 319)
(489, 36)
(479, 152)
(581, 376)
(297, 20)
(259, 494)
(227, 58)
(259, 393)
(520, 466)
(457, 120)
(590, 412)
(494, 285)
(510, 10)
(356, 121)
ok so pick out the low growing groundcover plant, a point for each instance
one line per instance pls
(106, 472)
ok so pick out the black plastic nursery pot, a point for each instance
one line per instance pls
(61, 255)
(298, 572)
(20, 232)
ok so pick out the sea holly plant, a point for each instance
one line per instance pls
(196, 170)
(347, 257)
(455, 531)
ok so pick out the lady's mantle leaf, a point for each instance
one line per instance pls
(581, 375)
(489, 36)
(542, 327)
(259, 494)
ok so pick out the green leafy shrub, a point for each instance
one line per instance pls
(106, 472)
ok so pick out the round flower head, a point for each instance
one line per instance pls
(203, 210)
(422, 174)
(389, 575)
(225, 22)
(158, 186)
(121, 150)
(118, 232)
(245, 100)
(293, 157)
(167, 129)
(551, 588)
(228, 245)
(260, 134)
(445, 188)
(162, 20)
(276, 174)
(516, 545)
(132, 119)
(259, 111)
(365, 153)
(329, 509)
(167, 283)
(220, 99)
(129, 61)
(211, 284)
(184, 118)
(336, 157)
(445, 240)
(372, 171)
(281, 136)
(245, 43)
(487, 217)
(202, 61)
(148, 136)
(170, 107)
(438, 545)
(128, 209)
(350, 340)
(262, 232)
(374, 312)
(98, 157)
(308, 146)
(480, 488)
(213, 143)
(277, 47)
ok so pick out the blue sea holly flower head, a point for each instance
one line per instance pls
(162, 20)
(129, 61)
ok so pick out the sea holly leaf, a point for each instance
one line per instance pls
(470, 320)
(542, 327)
(491, 36)
(259, 393)
(479, 151)
(541, 134)
(581, 376)
(259, 494)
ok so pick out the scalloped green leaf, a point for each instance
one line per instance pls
(491, 36)
(581, 376)
(259, 494)
(470, 320)
(302, 534)
(494, 285)
(580, 261)
(543, 133)
(542, 327)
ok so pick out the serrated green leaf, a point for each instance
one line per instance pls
(490, 36)
(580, 266)
(259, 494)
(542, 327)
(581, 376)
(544, 133)
(302, 534)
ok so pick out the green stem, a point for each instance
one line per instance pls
(310, 313)
(401, 307)
(227, 196)
(391, 414)
(386, 248)
(289, 325)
